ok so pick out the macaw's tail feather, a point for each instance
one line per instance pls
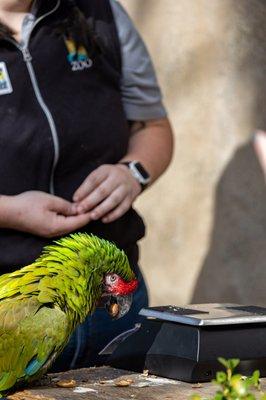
(7, 380)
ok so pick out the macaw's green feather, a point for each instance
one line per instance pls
(28, 331)
(41, 304)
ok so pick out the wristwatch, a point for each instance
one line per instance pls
(139, 172)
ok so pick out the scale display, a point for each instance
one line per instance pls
(208, 314)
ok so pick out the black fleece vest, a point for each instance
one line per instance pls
(85, 106)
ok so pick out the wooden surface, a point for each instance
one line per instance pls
(101, 384)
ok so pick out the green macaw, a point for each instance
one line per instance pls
(42, 303)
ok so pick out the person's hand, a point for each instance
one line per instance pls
(107, 193)
(42, 214)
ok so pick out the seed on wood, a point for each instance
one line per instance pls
(123, 382)
(67, 384)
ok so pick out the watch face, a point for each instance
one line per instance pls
(142, 171)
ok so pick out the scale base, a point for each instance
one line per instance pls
(189, 353)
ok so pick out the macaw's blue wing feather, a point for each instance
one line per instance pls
(34, 366)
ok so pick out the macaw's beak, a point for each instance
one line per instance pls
(116, 306)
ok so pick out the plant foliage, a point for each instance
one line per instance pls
(234, 386)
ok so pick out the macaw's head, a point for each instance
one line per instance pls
(100, 273)
(117, 294)
(117, 280)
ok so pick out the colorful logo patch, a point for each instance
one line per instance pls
(78, 58)
(5, 84)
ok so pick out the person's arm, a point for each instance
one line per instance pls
(109, 191)
(4, 200)
(151, 143)
(140, 91)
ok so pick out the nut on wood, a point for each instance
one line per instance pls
(67, 383)
(28, 395)
(123, 382)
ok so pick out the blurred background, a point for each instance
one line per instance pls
(206, 217)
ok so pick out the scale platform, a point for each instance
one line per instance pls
(184, 342)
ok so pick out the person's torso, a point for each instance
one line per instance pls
(61, 116)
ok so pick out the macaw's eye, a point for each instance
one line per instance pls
(111, 279)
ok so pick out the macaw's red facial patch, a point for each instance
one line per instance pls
(114, 284)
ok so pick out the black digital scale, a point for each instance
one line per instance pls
(184, 342)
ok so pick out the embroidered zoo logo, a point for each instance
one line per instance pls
(5, 84)
(78, 58)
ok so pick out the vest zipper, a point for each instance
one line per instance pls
(28, 60)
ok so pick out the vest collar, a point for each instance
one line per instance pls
(39, 8)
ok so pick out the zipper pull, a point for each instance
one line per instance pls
(26, 54)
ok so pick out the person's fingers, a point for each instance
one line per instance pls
(99, 194)
(90, 183)
(61, 206)
(118, 211)
(112, 201)
(70, 224)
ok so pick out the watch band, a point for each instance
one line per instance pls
(139, 172)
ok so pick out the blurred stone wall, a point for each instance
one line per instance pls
(206, 217)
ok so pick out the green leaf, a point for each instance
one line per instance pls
(256, 378)
(253, 380)
(233, 363)
(224, 362)
(250, 396)
(238, 385)
(221, 377)
(219, 396)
